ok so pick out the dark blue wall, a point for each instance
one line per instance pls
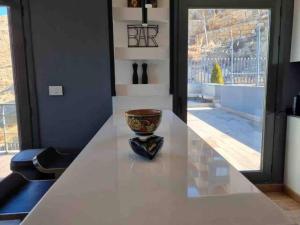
(71, 48)
(292, 87)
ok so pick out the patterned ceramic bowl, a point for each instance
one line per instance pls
(143, 121)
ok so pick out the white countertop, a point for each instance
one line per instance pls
(187, 184)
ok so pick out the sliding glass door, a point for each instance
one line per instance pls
(17, 124)
(227, 71)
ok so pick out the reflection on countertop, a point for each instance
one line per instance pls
(187, 183)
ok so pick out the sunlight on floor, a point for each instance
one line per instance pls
(240, 155)
(5, 164)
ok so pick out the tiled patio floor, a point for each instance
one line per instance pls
(237, 139)
(5, 164)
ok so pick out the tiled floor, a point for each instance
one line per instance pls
(229, 135)
(290, 206)
(244, 130)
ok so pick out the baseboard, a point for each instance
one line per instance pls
(270, 187)
(265, 188)
(291, 193)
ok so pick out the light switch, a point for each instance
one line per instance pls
(56, 91)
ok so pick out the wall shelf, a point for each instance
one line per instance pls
(142, 90)
(124, 103)
(158, 71)
(125, 53)
(156, 94)
(134, 15)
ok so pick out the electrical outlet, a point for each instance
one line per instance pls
(56, 91)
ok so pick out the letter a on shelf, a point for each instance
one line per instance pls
(142, 36)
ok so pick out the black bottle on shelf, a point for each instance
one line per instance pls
(152, 2)
(296, 105)
(144, 75)
(135, 77)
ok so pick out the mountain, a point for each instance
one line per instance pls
(6, 74)
(221, 32)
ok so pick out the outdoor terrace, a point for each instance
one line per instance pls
(237, 139)
(5, 164)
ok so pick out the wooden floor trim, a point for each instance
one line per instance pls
(291, 193)
(270, 187)
(265, 188)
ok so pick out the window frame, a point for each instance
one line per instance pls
(273, 169)
(23, 73)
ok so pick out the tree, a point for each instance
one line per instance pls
(217, 74)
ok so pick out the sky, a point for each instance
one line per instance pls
(3, 11)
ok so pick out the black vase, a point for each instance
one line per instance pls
(135, 77)
(144, 75)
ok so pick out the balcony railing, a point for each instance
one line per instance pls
(9, 139)
(242, 70)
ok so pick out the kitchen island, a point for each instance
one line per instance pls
(188, 183)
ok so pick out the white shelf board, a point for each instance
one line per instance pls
(125, 53)
(135, 14)
(158, 71)
(142, 89)
(124, 103)
(124, 3)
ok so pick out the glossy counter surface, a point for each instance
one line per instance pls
(188, 183)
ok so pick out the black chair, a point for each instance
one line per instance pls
(10, 222)
(50, 161)
(18, 195)
(22, 163)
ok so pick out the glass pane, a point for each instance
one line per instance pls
(9, 139)
(227, 69)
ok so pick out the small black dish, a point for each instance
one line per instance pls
(148, 147)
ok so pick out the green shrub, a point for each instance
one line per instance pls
(217, 75)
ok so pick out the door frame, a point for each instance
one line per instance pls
(23, 73)
(277, 66)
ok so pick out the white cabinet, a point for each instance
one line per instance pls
(295, 51)
(292, 158)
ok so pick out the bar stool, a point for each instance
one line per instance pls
(22, 163)
(18, 195)
(50, 161)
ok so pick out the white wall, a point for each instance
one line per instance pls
(295, 50)
(292, 158)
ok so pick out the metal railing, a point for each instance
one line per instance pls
(9, 141)
(242, 70)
